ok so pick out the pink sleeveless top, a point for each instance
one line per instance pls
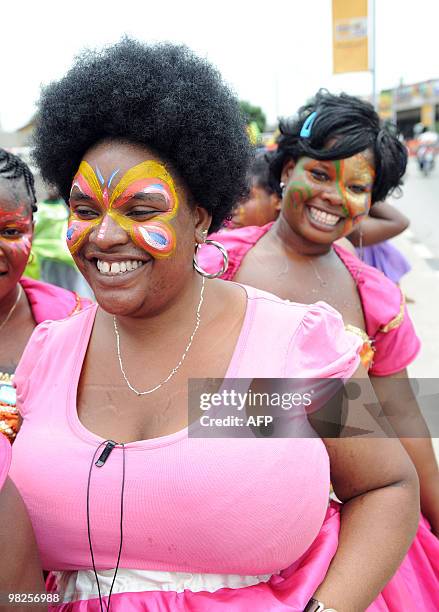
(388, 323)
(235, 506)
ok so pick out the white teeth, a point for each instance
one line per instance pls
(323, 217)
(118, 267)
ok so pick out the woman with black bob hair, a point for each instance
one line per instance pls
(335, 159)
(339, 127)
(148, 146)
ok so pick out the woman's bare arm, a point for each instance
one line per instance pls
(374, 478)
(402, 410)
(20, 567)
(384, 222)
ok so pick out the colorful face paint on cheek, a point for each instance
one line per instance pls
(20, 248)
(355, 171)
(299, 192)
(16, 232)
(339, 185)
(155, 237)
(76, 232)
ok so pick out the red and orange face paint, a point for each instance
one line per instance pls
(16, 231)
(156, 236)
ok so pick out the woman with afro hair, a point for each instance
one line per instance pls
(130, 507)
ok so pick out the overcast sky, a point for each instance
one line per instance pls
(274, 53)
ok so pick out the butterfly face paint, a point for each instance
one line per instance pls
(16, 233)
(156, 236)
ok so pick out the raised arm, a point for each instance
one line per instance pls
(384, 222)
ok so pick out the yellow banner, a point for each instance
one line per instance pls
(427, 115)
(349, 25)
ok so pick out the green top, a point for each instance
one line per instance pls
(49, 241)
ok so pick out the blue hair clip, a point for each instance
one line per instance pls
(305, 132)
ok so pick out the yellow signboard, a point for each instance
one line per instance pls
(385, 105)
(350, 47)
(427, 115)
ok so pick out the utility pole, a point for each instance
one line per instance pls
(372, 53)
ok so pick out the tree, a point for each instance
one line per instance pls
(254, 113)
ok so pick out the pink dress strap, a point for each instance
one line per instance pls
(388, 323)
(237, 242)
(49, 302)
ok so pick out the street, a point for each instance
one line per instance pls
(420, 244)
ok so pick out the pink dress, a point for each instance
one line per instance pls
(205, 528)
(388, 323)
(50, 301)
(46, 302)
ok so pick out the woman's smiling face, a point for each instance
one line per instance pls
(131, 230)
(324, 200)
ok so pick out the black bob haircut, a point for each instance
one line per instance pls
(161, 96)
(353, 126)
(14, 168)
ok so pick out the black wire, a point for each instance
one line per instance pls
(121, 524)
(120, 527)
(88, 522)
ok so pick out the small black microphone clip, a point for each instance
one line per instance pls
(105, 453)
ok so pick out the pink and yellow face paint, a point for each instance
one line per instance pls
(156, 236)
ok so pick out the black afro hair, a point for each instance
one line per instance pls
(353, 126)
(161, 96)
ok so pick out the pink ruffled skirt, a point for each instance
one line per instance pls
(414, 588)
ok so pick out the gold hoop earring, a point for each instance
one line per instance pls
(224, 253)
(31, 258)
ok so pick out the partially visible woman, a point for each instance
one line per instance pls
(23, 302)
(262, 204)
(334, 160)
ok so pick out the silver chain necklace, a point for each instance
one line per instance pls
(182, 358)
(14, 306)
